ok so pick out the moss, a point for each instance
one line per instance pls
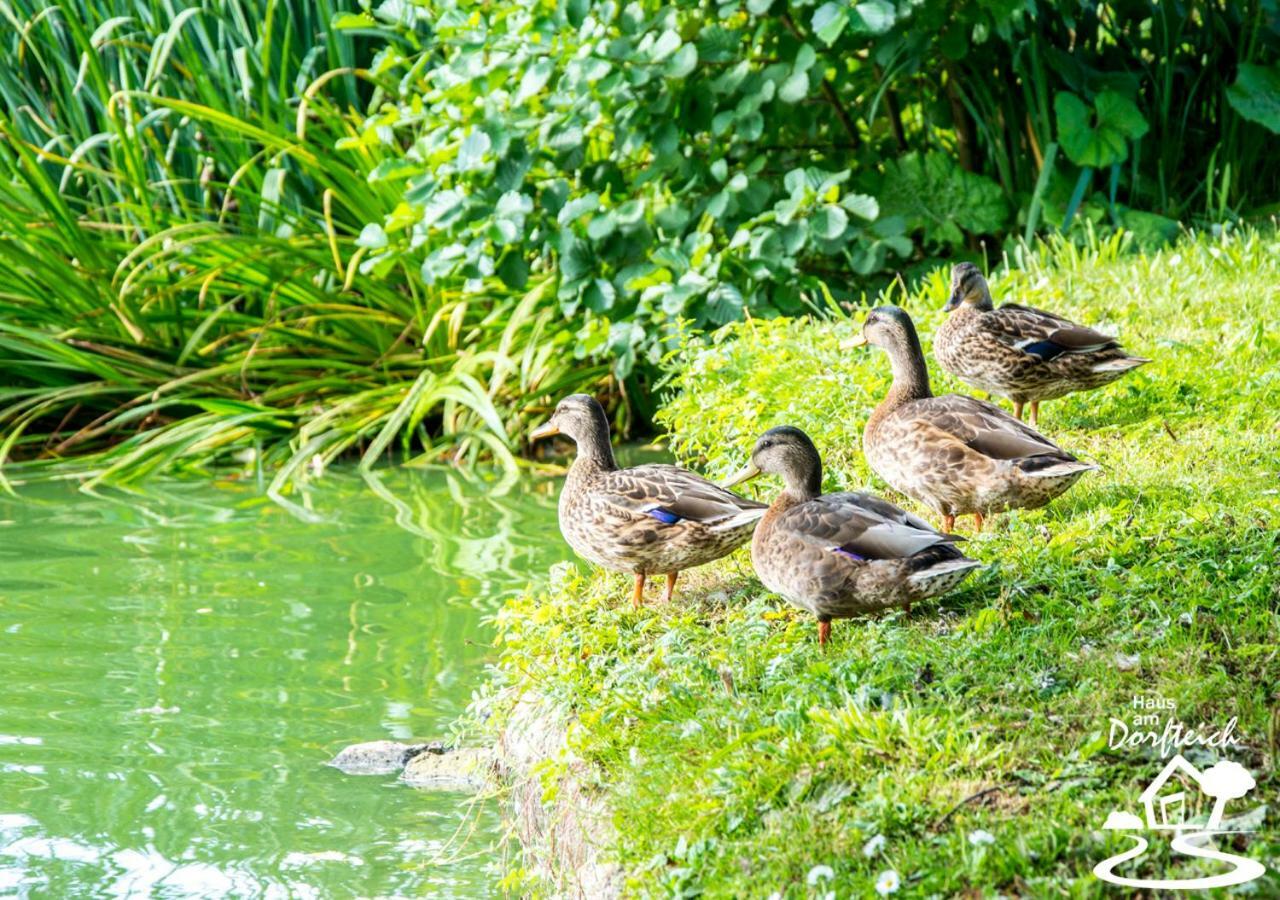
(737, 756)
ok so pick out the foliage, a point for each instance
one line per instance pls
(185, 275)
(700, 161)
(963, 747)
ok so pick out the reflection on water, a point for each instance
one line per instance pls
(177, 666)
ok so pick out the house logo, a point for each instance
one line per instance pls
(1170, 803)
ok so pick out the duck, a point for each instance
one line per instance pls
(955, 454)
(1025, 354)
(646, 520)
(845, 554)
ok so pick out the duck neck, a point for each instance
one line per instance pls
(802, 484)
(910, 374)
(595, 453)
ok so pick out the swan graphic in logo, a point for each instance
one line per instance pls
(1166, 802)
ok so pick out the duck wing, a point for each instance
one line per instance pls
(1041, 334)
(859, 527)
(671, 494)
(984, 427)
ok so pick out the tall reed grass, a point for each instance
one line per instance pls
(182, 279)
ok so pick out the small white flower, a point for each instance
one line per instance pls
(887, 883)
(825, 873)
(636, 758)
(978, 837)
(873, 846)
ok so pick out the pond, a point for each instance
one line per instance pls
(178, 664)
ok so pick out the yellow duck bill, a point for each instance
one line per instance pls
(746, 474)
(544, 430)
(858, 340)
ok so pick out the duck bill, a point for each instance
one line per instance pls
(751, 471)
(858, 340)
(545, 430)
(953, 302)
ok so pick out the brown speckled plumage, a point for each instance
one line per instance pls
(955, 454)
(646, 520)
(1025, 354)
(846, 554)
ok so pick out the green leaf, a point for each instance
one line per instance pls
(805, 58)
(933, 195)
(578, 207)
(795, 88)
(830, 222)
(758, 7)
(1256, 95)
(862, 205)
(829, 21)
(535, 79)
(684, 61)
(471, 153)
(1101, 138)
(872, 17)
(372, 237)
(666, 44)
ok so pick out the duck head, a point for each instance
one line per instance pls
(968, 288)
(581, 418)
(788, 452)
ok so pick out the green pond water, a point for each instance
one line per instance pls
(177, 666)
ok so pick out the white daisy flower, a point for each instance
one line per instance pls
(978, 837)
(873, 846)
(887, 883)
(823, 873)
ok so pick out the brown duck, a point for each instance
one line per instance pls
(841, 555)
(647, 520)
(1025, 354)
(955, 454)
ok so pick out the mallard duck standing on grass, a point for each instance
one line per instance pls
(955, 454)
(1025, 354)
(648, 520)
(841, 555)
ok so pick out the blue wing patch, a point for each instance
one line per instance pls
(665, 516)
(849, 554)
(1044, 350)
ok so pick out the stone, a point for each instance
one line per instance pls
(459, 769)
(381, 757)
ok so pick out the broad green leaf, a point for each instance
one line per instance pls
(829, 21)
(682, 62)
(830, 222)
(1256, 95)
(1101, 137)
(872, 17)
(666, 44)
(795, 88)
(862, 205)
(535, 79)
(471, 152)
(372, 237)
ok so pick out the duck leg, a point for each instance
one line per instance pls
(1035, 413)
(671, 587)
(637, 596)
(1017, 410)
(824, 632)
(948, 524)
(977, 522)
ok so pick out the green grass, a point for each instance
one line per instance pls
(738, 756)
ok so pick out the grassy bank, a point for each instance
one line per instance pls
(963, 749)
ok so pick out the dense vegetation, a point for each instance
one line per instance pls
(964, 748)
(295, 231)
